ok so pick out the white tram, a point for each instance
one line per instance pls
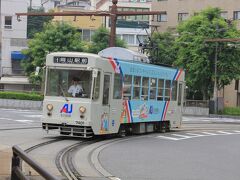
(87, 94)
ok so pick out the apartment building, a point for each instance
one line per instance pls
(180, 10)
(132, 29)
(13, 34)
(87, 25)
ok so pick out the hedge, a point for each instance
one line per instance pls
(21, 96)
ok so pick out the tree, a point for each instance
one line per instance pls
(197, 56)
(100, 41)
(161, 48)
(35, 23)
(56, 36)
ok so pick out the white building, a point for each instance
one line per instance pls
(132, 29)
(12, 40)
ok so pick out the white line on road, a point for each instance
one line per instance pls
(180, 135)
(167, 137)
(195, 135)
(6, 119)
(208, 133)
(224, 132)
(24, 121)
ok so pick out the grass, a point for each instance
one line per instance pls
(234, 111)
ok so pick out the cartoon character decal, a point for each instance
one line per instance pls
(104, 123)
(143, 111)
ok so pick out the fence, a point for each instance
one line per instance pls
(16, 172)
(196, 107)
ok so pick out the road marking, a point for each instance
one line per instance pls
(195, 135)
(208, 133)
(33, 116)
(198, 134)
(224, 132)
(6, 119)
(167, 137)
(24, 121)
(182, 136)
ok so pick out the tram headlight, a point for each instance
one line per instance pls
(49, 107)
(82, 109)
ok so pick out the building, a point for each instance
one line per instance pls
(12, 40)
(87, 25)
(132, 29)
(180, 10)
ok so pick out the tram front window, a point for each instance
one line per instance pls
(69, 83)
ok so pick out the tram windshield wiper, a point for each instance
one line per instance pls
(63, 93)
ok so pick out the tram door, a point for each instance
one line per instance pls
(106, 103)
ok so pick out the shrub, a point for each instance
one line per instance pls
(235, 111)
(21, 96)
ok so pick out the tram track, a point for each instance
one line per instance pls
(64, 160)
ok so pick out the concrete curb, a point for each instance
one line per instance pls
(20, 104)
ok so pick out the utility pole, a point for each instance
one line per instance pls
(215, 88)
(113, 14)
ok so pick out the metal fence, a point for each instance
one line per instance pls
(16, 172)
(196, 103)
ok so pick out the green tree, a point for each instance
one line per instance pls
(197, 56)
(35, 23)
(161, 48)
(100, 41)
(56, 36)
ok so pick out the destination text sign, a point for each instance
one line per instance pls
(70, 60)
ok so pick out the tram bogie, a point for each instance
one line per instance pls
(87, 95)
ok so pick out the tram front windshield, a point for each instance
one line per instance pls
(69, 83)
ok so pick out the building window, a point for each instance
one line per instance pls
(8, 22)
(141, 38)
(162, 17)
(128, 38)
(236, 15)
(224, 14)
(182, 16)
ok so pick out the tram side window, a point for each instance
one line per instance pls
(145, 82)
(96, 86)
(174, 91)
(117, 89)
(153, 87)
(160, 89)
(136, 87)
(127, 88)
(167, 90)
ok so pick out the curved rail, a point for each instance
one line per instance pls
(64, 161)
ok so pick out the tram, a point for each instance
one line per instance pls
(116, 91)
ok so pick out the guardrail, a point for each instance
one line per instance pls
(16, 172)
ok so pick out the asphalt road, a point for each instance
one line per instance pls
(203, 149)
(15, 118)
(194, 155)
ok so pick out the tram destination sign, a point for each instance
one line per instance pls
(70, 60)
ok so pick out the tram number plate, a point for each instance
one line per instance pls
(70, 60)
(81, 123)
